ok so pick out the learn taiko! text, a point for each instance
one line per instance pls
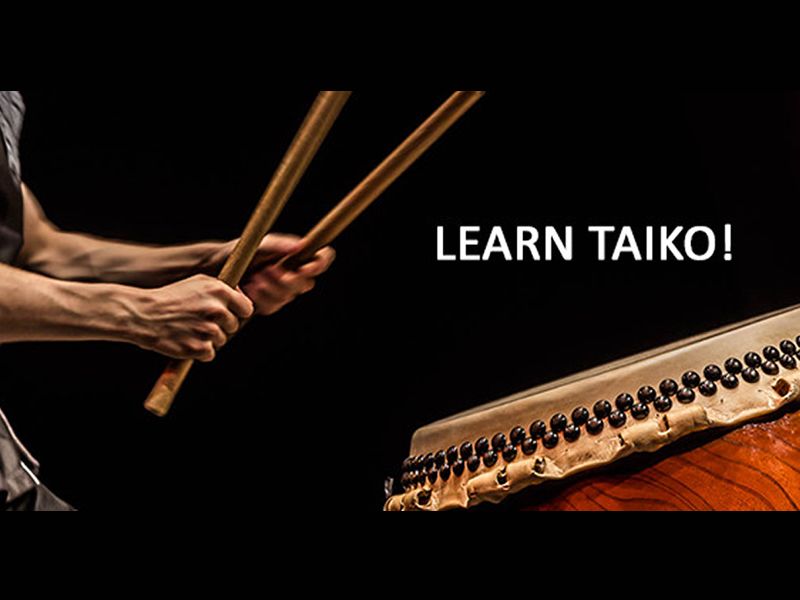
(676, 243)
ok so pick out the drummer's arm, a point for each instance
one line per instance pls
(79, 257)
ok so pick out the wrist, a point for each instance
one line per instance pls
(126, 313)
(103, 311)
(215, 256)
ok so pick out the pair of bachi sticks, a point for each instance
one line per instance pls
(306, 143)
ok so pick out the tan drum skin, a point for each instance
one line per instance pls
(724, 408)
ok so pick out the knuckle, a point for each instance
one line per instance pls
(204, 282)
(206, 328)
(214, 310)
(216, 287)
(205, 352)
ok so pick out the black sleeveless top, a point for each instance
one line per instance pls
(11, 111)
(10, 212)
(17, 466)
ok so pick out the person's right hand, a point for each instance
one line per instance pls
(190, 319)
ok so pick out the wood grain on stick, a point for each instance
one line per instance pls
(384, 175)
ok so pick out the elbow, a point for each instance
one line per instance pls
(40, 237)
(37, 250)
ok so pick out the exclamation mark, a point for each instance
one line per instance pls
(728, 253)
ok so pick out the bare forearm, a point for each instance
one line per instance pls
(189, 319)
(79, 257)
(36, 308)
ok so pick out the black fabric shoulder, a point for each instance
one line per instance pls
(10, 212)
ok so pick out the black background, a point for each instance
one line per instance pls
(312, 408)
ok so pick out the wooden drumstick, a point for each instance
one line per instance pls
(383, 176)
(298, 157)
(364, 194)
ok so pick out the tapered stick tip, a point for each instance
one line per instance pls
(160, 401)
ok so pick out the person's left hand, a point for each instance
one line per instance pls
(270, 286)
